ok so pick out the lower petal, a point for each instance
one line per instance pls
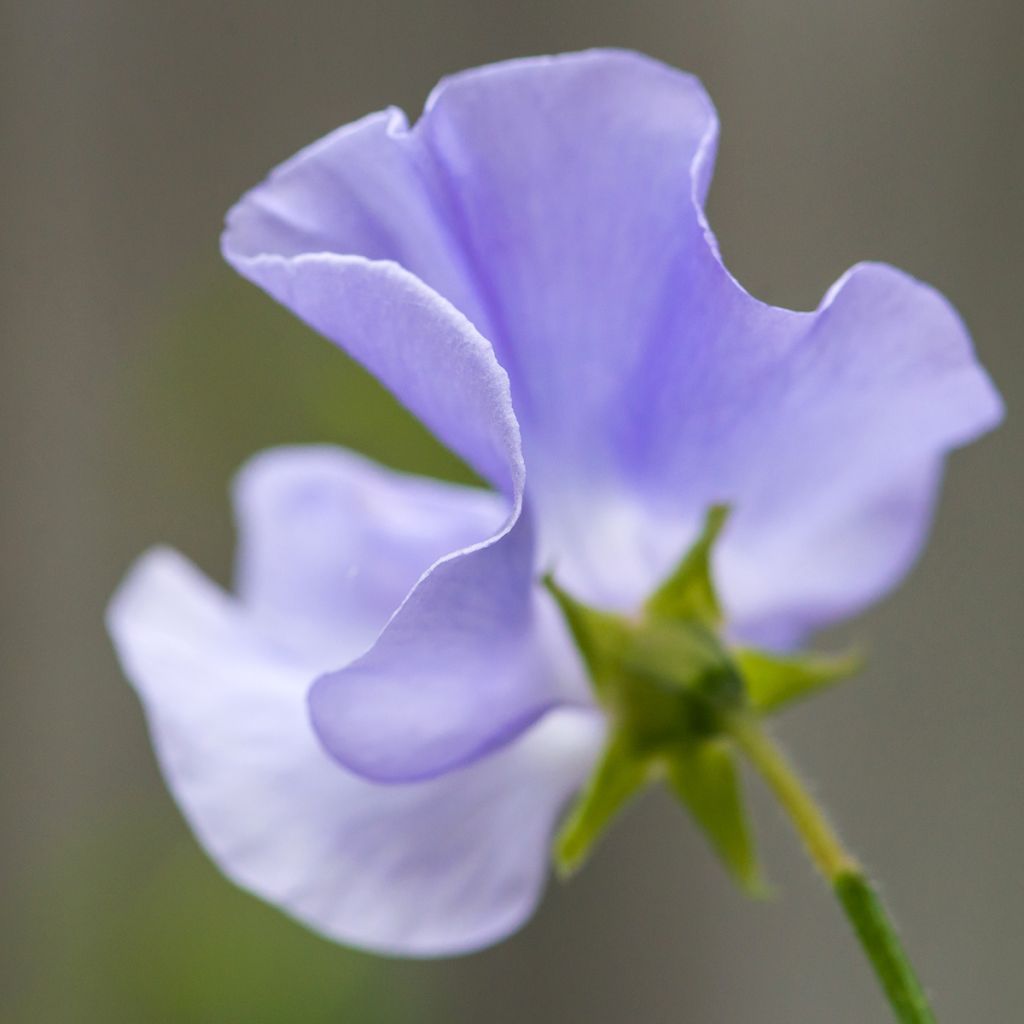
(427, 869)
(474, 657)
(330, 544)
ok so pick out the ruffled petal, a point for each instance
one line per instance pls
(426, 869)
(412, 339)
(548, 199)
(330, 544)
(559, 204)
(476, 655)
(570, 192)
(434, 657)
(366, 189)
(650, 385)
(826, 431)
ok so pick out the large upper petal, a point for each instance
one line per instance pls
(569, 191)
(826, 431)
(558, 203)
(424, 869)
(548, 199)
(650, 384)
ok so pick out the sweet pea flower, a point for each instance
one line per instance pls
(378, 729)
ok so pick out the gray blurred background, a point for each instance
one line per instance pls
(137, 373)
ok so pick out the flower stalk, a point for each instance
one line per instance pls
(863, 907)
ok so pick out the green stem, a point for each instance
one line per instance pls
(861, 903)
(882, 945)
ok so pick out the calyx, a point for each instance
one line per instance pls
(672, 689)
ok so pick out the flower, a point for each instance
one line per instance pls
(529, 269)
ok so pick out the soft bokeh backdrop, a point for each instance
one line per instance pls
(137, 373)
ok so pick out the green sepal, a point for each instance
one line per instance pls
(689, 592)
(619, 775)
(671, 687)
(684, 656)
(600, 637)
(773, 680)
(705, 776)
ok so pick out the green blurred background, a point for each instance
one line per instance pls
(137, 373)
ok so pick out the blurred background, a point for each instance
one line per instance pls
(137, 373)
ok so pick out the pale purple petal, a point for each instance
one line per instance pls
(366, 189)
(826, 431)
(558, 203)
(413, 340)
(476, 655)
(649, 384)
(330, 544)
(549, 199)
(570, 191)
(480, 600)
(425, 869)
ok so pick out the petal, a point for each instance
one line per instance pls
(427, 869)
(413, 340)
(365, 189)
(429, 688)
(476, 655)
(825, 431)
(330, 543)
(570, 190)
(558, 203)
(549, 199)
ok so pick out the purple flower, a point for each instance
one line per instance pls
(379, 728)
